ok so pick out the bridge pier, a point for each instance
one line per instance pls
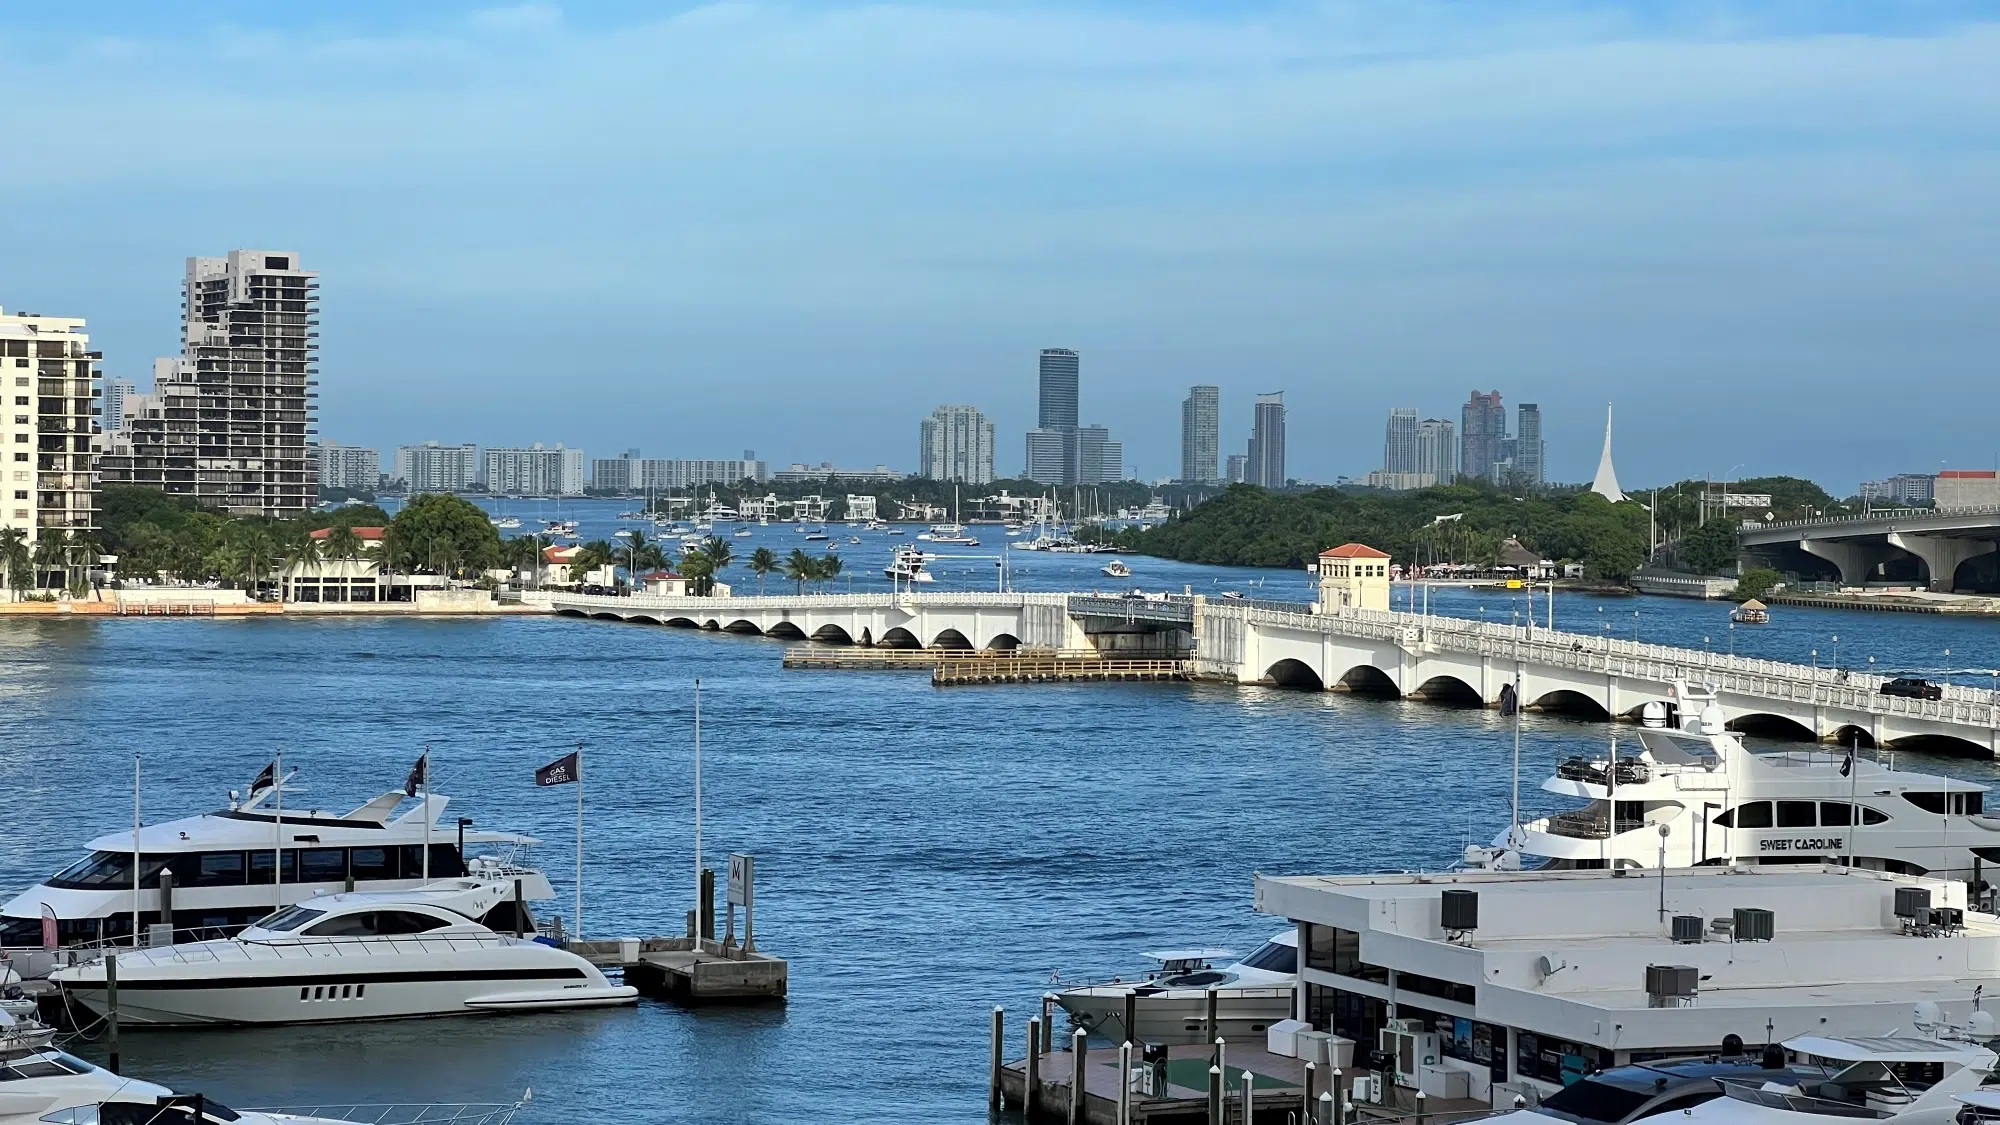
(1942, 554)
(1855, 560)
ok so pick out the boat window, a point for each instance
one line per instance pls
(323, 865)
(40, 1066)
(99, 869)
(445, 861)
(359, 924)
(1756, 814)
(1872, 816)
(1835, 814)
(407, 922)
(260, 866)
(1591, 1100)
(1796, 814)
(1275, 958)
(209, 869)
(372, 863)
(288, 919)
(1965, 804)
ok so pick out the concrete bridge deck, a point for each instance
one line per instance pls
(1858, 546)
(1444, 659)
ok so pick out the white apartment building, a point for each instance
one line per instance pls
(51, 383)
(433, 467)
(956, 443)
(349, 466)
(535, 471)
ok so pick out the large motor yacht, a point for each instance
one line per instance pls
(1170, 1005)
(1904, 1079)
(1692, 794)
(222, 864)
(366, 955)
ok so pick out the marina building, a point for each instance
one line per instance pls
(537, 470)
(956, 443)
(1524, 981)
(1484, 435)
(432, 467)
(1201, 435)
(349, 466)
(232, 413)
(51, 379)
(1353, 576)
(1266, 465)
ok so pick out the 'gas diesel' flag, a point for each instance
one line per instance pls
(265, 779)
(562, 771)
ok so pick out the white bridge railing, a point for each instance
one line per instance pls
(722, 607)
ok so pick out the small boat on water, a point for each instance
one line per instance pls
(1752, 612)
(854, 539)
(897, 531)
(817, 536)
(504, 523)
(1171, 1002)
(1116, 568)
(908, 566)
(742, 533)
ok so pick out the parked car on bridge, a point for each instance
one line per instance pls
(1913, 687)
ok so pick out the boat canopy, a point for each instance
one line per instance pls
(1171, 955)
(1890, 1049)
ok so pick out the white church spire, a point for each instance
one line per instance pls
(1606, 482)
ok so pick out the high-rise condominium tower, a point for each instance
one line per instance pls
(1267, 442)
(350, 467)
(1528, 449)
(228, 420)
(49, 375)
(1437, 450)
(1482, 445)
(1201, 434)
(956, 443)
(1399, 448)
(1052, 449)
(1099, 460)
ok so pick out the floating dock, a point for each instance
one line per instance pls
(691, 971)
(1062, 669)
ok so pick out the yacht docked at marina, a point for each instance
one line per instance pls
(221, 864)
(1696, 796)
(1170, 1005)
(366, 955)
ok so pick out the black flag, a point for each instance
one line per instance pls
(1509, 701)
(420, 774)
(1847, 763)
(265, 779)
(562, 771)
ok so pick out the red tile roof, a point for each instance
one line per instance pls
(367, 533)
(1353, 551)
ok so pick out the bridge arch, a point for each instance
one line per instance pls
(681, 623)
(786, 630)
(1854, 736)
(951, 639)
(1772, 726)
(1564, 701)
(569, 612)
(832, 635)
(1289, 673)
(712, 625)
(1366, 679)
(898, 637)
(606, 616)
(1004, 642)
(1943, 745)
(1449, 690)
(748, 628)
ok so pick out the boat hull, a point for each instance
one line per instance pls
(190, 1004)
(1179, 1016)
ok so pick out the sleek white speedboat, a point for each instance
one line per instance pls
(1904, 1079)
(1696, 790)
(1171, 1003)
(1116, 568)
(365, 955)
(222, 863)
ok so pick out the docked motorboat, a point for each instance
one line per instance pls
(1116, 568)
(1694, 793)
(1904, 1079)
(1171, 1003)
(222, 863)
(365, 955)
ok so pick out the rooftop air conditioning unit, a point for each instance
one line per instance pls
(1754, 923)
(1910, 901)
(1687, 929)
(1459, 910)
(1671, 986)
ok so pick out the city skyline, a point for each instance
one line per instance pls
(1685, 202)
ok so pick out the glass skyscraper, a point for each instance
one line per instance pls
(1201, 434)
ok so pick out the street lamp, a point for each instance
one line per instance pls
(1635, 626)
(1732, 638)
(1836, 652)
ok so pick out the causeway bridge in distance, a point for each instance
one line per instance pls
(1408, 655)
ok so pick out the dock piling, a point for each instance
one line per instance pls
(1124, 1083)
(1423, 1111)
(999, 1052)
(1214, 1095)
(1249, 1081)
(1048, 1022)
(1214, 1032)
(111, 1006)
(1329, 1110)
(1033, 1076)
(1132, 1016)
(1306, 1094)
(1079, 1054)
(1335, 1097)
(708, 904)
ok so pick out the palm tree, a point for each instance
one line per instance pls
(828, 567)
(342, 544)
(51, 550)
(718, 552)
(801, 568)
(762, 562)
(15, 559)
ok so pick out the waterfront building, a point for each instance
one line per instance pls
(956, 443)
(1482, 435)
(1527, 453)
(614, 474)
(116, 392)
(537, 470)
(1437, 450)
(1353, 576)
(1237, 470)
(349, 467)
(662, 474)
(1527, 980)
(1099, 459)
(1399, 444)
(1398, 482)
(1966, 488)
(861, 507)
(1201, 434)
(1911, 489)
(432, 467)
(1048, 456)
(1266, 465)
(802, 473)
(51, 378)
(234, 408)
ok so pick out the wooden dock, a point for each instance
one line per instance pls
(1058, 669)
(691, 972)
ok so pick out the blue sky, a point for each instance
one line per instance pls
(1769, 232)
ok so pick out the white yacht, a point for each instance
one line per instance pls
(1905, 1079)
(222, 863)
(1116, 568)
(505, 523)
(559, 529)
(1171, 1003)
(1696, 794)
(908, 566)
(365, 955)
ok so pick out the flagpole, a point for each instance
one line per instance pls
(697, 808)
(278, 837)
(135, 851)
(579, 841)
